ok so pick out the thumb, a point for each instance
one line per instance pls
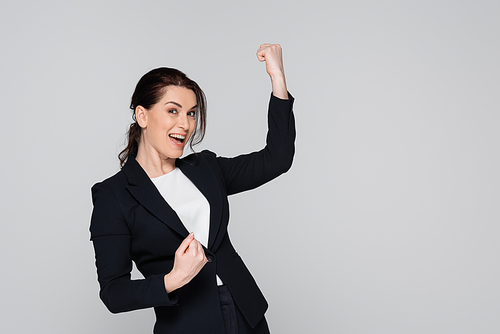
(261, 54)
(185, 243)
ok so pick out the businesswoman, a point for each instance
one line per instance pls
(170, 214)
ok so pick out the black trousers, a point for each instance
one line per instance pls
(234, 322)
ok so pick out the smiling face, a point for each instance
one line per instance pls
(168, 124)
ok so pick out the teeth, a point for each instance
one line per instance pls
(177, 136)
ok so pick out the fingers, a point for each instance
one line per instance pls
(191, 246)
(197, 251)
(189, 259)
(261, 52)
(268, 48)
(184, 246)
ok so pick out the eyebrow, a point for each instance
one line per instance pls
(177, 104)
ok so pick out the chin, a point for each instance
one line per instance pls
(178, 154)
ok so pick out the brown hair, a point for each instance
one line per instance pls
(149, 90)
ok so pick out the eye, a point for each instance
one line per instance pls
(172, 111)
(191, 113)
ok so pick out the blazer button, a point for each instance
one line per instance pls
(210, 258)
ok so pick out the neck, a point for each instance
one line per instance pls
(152, 163)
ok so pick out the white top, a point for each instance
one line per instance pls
(188, 202)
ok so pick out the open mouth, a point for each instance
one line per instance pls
(179, 139)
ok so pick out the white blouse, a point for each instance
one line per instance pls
(188, 202)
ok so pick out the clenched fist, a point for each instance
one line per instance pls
(272, 55)
(189, 260)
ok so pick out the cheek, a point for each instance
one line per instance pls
(163, 128)
(192, 126)
(158, 133)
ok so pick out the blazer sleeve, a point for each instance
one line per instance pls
(249, 171)
(112, 244)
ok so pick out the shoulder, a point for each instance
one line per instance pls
(203, 162)
(112, 183)
(109, 198)
(199, 157)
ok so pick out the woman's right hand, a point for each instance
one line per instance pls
(189, 260)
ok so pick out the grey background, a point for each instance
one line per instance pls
(388, 221)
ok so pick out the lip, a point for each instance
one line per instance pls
(179, 134)
(175, 142)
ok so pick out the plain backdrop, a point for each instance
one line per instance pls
(388, 221)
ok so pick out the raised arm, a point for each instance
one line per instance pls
(249, 171)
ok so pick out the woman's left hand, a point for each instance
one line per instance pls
(272, 55)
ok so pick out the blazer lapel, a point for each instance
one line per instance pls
(200, 173)
(146, 193)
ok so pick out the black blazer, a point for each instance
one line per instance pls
(132, 222)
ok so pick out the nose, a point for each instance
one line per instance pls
(183, 122)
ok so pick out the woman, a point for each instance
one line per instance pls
(170, 215)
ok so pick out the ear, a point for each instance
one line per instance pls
(141, 116)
